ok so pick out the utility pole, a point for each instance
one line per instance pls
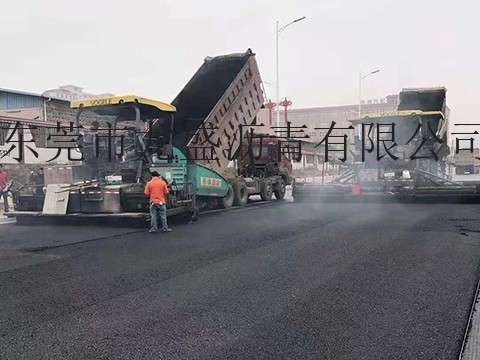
(360, 79)
(278, 31)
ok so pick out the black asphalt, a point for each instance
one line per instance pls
(281, 281)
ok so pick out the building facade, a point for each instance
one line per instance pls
(23, 117)
(29, 106)
(323, 117)
(38, 116)
(315, 122)
(72, 92)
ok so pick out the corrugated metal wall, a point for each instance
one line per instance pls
(10, 100)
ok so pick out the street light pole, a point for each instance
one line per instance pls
(360, 79)
(278, 76)
(360, 95)
(278, 31)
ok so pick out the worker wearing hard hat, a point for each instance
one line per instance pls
(157, 190)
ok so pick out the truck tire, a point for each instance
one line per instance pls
(281, 190)
(227, 201)
(266, 190)
(240, 193)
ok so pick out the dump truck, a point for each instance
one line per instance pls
(416, 169)
(215, 111)
(211, 116)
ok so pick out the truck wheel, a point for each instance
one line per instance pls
(266, 190)
(281, 190)
(227, 200)
(240, 193)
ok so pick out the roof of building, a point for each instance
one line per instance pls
(70, 86)
(26, 93)
(20, 92)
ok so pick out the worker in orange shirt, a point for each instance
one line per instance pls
(157, 189)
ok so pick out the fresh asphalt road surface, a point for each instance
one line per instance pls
(282, 280)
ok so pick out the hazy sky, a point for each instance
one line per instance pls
(151, 48)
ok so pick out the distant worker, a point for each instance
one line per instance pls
(3, 185)
(39, 182)
(157, 189)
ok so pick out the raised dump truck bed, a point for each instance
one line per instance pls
(423, 99)
(224, 94)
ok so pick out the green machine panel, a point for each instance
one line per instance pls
(207, 182)
(172, 172)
